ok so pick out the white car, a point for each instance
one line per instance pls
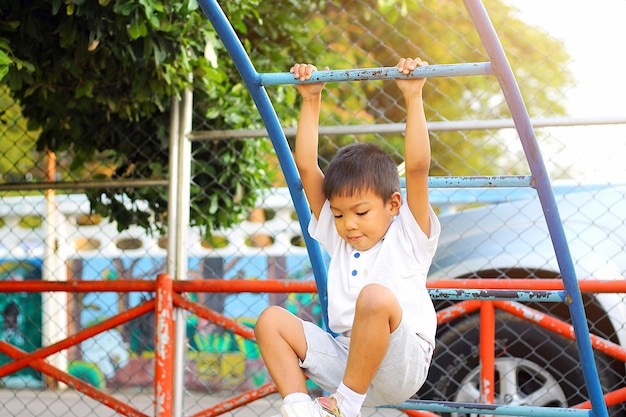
(510, 240)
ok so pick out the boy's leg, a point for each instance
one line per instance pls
(282, 344)
(377, 315)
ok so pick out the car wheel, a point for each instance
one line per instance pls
(532, 366)
(519, 382)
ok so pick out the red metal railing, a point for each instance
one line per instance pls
(168, 297)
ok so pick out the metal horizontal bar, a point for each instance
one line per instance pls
(285, 285)
(586, 285)
(385, 128)
(82, 185)
(133, 285)
(384, 73)
(461, 292)
(479, 181)
(547, 296)
(493, 124)
(491, 409)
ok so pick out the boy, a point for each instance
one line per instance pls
(381, 250)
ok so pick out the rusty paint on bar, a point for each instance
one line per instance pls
(478, 294)
(384, 73)
(164, 348)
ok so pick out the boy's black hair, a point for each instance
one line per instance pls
(360, 167)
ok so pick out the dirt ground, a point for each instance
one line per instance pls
(67, 403)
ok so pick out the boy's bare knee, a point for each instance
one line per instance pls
(378, 300)
(269, 320)
(376, 296)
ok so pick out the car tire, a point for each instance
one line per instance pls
(541, 367)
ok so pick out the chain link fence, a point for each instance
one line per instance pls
(487, 233)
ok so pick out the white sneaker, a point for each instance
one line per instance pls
(320, 407)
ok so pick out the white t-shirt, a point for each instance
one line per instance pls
(400, 262)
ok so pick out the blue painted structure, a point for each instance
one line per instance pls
(539, 180)
(385, 73)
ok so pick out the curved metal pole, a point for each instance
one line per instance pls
(252, 80)
(513, 96)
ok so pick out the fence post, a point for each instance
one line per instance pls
(487, 354)
(164, 348)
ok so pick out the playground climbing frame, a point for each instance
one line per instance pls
(498, 67)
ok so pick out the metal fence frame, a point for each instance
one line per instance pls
(493, 294)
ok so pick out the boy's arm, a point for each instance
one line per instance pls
(307, 138)
(416, 144)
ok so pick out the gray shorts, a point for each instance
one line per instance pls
(401, 374)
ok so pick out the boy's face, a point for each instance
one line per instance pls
(363, 219)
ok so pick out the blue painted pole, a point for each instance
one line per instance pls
(251, 78)
(489, 409)
(513, 96)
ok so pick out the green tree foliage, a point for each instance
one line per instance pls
(15, 140)
(97, 78)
